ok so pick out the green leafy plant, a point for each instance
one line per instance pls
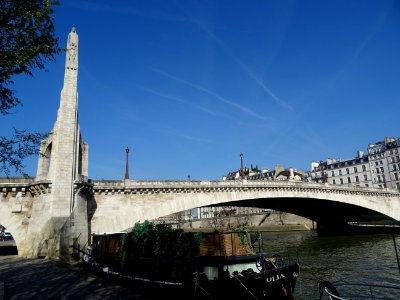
(156, 242)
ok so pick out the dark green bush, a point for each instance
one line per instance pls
(148, 241)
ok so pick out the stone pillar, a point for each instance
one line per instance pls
(64, 162)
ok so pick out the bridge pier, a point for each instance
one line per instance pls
(52, 236)
(59, 213)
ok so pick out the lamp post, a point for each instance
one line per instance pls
(127, 164)
(241, 165)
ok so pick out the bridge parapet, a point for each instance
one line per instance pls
(11, 180)
(186, 186)
(35, 188)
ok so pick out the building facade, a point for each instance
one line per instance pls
(384, 159)
(354, 171)
(380, 168)
(279, 173)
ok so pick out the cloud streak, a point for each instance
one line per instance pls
(371, 35)
(251, 74)
(187, 137)
(242, 108)
(204, 109)
(94, 6)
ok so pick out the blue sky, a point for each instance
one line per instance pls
(189, 85)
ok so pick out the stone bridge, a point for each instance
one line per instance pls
(118, 204)
(59, 208)
(110, 206)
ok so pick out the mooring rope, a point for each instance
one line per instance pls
(246, 288)
(197, 285)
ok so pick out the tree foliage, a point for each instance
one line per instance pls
(151, 242)
(27, 40)
(13, 151)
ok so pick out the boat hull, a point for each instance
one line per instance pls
(274, 284)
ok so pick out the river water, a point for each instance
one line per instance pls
(367, 259)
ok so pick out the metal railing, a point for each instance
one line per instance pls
(362, 291)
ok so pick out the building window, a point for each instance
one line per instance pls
(382, 170)
(333, 173)
(334, 181)
(365, 177)
(340, 172)
(396, 176)
(355, 169)
(366, 185)
(341, 180)
(363, 168)
(348, 180)
(398, 185)
(357, 180)
(347, 171)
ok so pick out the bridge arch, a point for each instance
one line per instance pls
(120, 205)
(10, 222)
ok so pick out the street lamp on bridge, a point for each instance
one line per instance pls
(241, 165)
(127, 164)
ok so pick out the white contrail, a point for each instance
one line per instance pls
(279, 101)
(184, 136)
(208, 111)
(123, 10)
(374, 31)
(180, 100)
(207, 91)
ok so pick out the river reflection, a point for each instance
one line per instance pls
(369, 259)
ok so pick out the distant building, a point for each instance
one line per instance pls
(279, 173)
(354, 171)
(384, 160)
(379, 169)
(233, 175)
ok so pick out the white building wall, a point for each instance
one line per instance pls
(379, 169)
(385, 163)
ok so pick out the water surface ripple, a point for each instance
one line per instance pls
(366, 259)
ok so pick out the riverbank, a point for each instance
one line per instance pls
(266, 221)
(36, 279)
(265, 228)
